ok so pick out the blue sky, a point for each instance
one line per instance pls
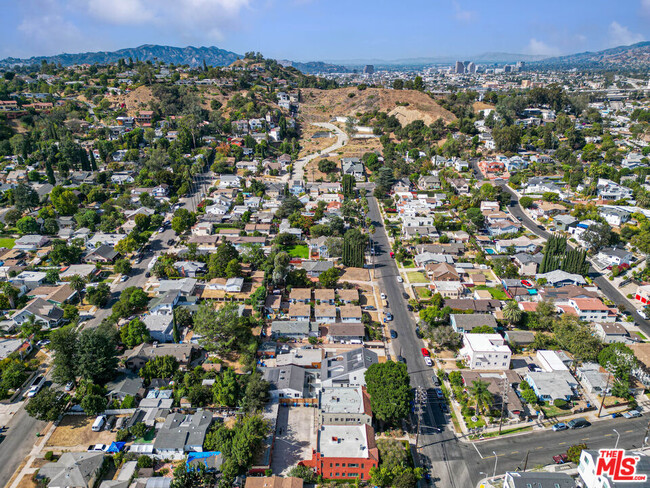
(309, 30)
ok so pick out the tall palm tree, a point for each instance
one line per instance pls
(512, 313)
(77, 283)
(481, 395)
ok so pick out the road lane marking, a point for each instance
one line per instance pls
(628, 431)
(514, 452)
(562, 443)
(608, 435)
(479, 452)
(585, 439)
(540, 447)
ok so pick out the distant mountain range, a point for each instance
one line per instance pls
(194, 56)
(634, 56)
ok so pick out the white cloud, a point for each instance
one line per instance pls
(191, 18)
(619, 35)
(462, 14)
(120, 11)
(51, 34)
(537, 47)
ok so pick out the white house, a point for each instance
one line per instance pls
(589, 310)
(612, 256)
(486, 352)
(229, 181)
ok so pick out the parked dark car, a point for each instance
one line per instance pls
(578, 423)
(393, 334)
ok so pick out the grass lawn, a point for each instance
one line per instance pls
(496, 294)
(7, 242)
(553, 411)
(423, 292)
(641, 336)
(300, 251)
(507, 431)
(148, 437)
(408, 263)
(472, 425)
(417, 277)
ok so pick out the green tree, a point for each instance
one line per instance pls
(93, 404)
(526, 202)
(481, 395)
(123, 266)
(222, 331)
(65, 201)
(512, 313)
(326, 166)
(25, 198)
(507, 138)
(134, 333)
(354, 245)
(159, 367)
(47, 405)
(389, 387)
(183, 219)
(330, 278)
(256, 393)
(218, 262)
(98, 295)
(597, 236)
(573, 452)
(233, 269)
(52, 276)
(225, 389)
(27, 225)
(529, 395)
(12, 216)
(475, 216)
(482, 329)
(64, 345)
(96, 355)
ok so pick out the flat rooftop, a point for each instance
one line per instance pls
(348, 441)
(341, 400)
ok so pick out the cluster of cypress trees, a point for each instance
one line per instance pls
(556, 256)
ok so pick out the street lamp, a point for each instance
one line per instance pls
(494, 473)
(618, 437)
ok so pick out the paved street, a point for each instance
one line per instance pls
(446, 455)
(19, 440)
(543, 445)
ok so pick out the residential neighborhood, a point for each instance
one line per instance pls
(262, 273)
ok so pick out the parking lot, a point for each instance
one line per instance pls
(295, 437)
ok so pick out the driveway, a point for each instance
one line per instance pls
(295, 437)
(299, 165)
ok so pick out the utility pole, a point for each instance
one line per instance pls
(504, 400)
(419, 399)
(609, 375)
(526, 461)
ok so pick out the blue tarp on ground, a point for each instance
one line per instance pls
(211, 460)
(116, 447)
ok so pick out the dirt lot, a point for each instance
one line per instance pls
(309, 145)
(295, 437)
(75, 431)
(318, 105)
(355, 274)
